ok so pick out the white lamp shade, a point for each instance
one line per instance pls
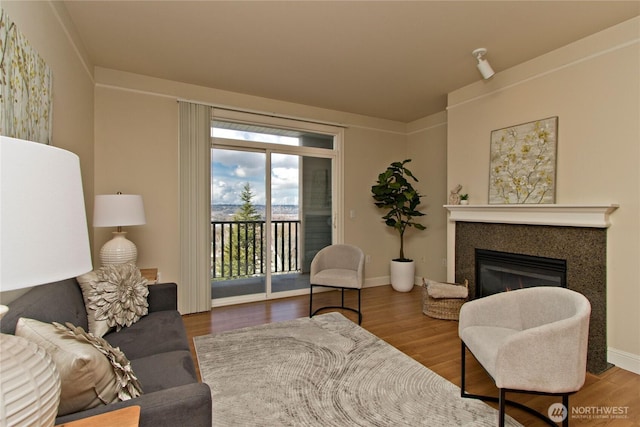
(43, 224)
(116, 210)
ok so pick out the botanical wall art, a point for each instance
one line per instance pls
(25, 87)
(523, 163)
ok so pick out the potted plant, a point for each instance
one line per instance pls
(464, 199)
(394, 193)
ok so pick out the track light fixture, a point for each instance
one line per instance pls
(483, 65)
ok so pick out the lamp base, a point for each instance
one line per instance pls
(118, 250)
(29, 383)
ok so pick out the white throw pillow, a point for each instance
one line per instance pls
(114, 296)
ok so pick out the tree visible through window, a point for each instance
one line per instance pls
(244, 250)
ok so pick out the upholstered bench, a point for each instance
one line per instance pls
(443, 300)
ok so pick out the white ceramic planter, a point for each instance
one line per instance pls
(402, 275)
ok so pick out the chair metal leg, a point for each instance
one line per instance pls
(502, 399)
(463, 370)
(341, 306)
(359, 308)
(501, 407)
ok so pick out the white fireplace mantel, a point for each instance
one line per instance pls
(596, 216)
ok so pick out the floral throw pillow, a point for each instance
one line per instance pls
(128, 386)
(92, 372)
(115, 296)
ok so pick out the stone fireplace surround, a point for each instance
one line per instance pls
(574, 233)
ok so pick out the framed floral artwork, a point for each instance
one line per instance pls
(25, 87)
(523, 163)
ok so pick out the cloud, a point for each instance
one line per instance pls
(232, 169)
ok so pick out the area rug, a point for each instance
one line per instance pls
(326, 371)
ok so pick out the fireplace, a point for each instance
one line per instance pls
(583, 248)
(498, 271)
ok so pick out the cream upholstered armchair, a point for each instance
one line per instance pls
(531, 340)
(340, 267)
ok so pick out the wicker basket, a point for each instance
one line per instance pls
(442, 308)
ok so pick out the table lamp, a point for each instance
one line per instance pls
(118, 210)
(43, 238)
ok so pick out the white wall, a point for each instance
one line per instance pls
(593, 86)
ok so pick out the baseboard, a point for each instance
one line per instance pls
(372, 282)
(627, 361)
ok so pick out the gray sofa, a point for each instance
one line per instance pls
(156, 345)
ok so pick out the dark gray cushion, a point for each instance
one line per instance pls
(54, 302)
(163, 296)
(164, 370)
(156, 332)
(187, 405)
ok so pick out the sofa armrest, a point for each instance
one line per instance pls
(188, 405)
(163, 296)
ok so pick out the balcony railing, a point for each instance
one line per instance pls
(239, 248)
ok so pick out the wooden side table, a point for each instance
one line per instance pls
(125, 417)
(151, 274)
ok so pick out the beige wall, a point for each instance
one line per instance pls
(367, 154)
(137, 153)
(593, 86)
(136, 148)
(42, 25)
(427, 147)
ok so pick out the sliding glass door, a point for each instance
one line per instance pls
(238, 263)
(272, 209)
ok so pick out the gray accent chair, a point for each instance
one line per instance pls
(340, 267)
(531, 340)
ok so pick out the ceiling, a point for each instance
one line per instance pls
(388, 59)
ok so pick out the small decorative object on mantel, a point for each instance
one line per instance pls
(464, 199)
(523, 163)
(454, 195)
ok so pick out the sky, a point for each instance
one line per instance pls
(232, 169)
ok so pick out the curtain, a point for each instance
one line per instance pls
(194, 293)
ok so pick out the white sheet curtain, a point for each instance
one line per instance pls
(194, 291)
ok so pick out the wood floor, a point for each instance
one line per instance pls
(397, 318)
